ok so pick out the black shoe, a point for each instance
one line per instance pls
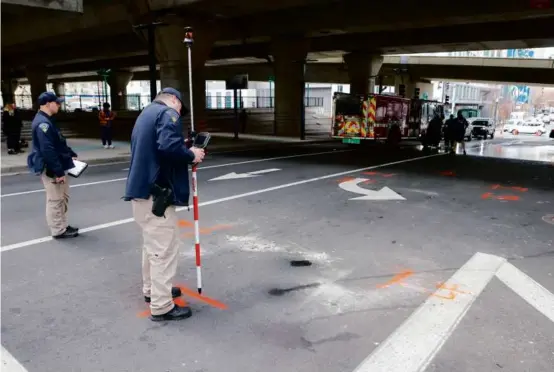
(72, 229)
(175, 292)
(67, 234)
(177, 313)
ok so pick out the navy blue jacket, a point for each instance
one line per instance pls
(159, 155)
(50, 151)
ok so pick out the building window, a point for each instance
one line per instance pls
(218, 100)
(339, 88)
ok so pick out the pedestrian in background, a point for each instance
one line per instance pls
(106, 117)
(158, 181)
(12, 125)
(50, 158)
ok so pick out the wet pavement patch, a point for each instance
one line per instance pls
(282, 291)
(300, 263)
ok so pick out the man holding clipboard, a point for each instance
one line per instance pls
(51, 158)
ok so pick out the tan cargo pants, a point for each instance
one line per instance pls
(160, 254)
(57, 200)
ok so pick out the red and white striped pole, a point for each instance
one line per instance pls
(189, 40)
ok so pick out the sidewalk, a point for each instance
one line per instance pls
(92, 152)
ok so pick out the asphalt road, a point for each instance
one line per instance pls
(450, 267)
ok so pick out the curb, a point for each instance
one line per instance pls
(20, 169)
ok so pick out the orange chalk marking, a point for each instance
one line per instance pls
(207, 230)
(398, 278)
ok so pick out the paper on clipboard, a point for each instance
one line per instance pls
(78, 169)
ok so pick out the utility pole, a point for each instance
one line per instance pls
(151, 35)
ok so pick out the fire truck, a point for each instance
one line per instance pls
(381, 117)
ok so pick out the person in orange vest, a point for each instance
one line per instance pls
(106, 117)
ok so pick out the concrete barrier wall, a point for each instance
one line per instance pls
(259, 121)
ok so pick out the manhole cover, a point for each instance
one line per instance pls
(549, 218)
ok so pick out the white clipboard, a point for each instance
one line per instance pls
(78, 169)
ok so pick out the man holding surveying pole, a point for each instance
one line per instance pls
(158, 181)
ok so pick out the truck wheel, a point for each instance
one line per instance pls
(515, 132)
(485, 136)
(492, 135)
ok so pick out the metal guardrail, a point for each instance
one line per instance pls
(136, 102)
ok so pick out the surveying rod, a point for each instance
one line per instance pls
(189, 40)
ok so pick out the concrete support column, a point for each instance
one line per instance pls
(172, 55)
(118, 81)
(37, 77)
(289, 54)
(9, 86)
(363, 67)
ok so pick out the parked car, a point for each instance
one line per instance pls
(482, 127)
(530, 126)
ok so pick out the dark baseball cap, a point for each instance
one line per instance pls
(173, 92)
(48, 97)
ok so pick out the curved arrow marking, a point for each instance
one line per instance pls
(384, 194)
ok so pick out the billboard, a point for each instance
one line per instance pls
(520, 53)
(520, 94)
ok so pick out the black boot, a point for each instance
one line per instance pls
(175, 292)
(68, 233)
(177, 313)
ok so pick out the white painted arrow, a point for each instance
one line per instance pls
(234, 175)
(384, 194)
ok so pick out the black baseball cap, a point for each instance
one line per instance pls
(48, 97)
(173, 92)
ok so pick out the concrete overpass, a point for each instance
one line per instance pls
(283, 32)
(332, 69)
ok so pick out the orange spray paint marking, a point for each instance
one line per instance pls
(487, 195)
(494, 187)
(371, 173)
(398, 278)
(508, 197)
(448, 173)
(521, 189)
(207, 230)
(389, 175)
(185, 223)
(345, 179)
(452, 289)
(210, 301)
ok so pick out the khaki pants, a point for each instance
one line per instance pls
(57, 200)
(160, 254)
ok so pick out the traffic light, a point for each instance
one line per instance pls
(446, 99)
(402, 90)
(416, 93)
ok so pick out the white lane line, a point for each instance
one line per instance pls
(221, 200)
(528, 289)
(9, 363)
(71, 186)
(415, 343)
(200, 168)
